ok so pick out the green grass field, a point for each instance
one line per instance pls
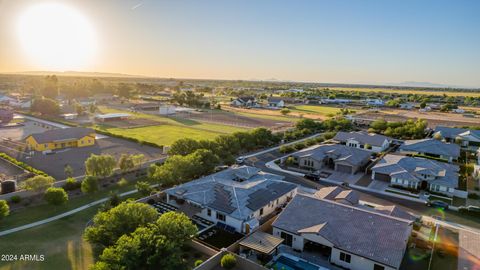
(424, 92)
(313, 109)
(168, 129)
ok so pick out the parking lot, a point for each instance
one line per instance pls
(54, 164)
(21, 132)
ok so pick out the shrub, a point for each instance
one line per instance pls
(228, 261)
(15, 199)
(71, 184)
(123, 182)
(4, 209)
(38, 183)
(56, 196)
(143, 188)
(89, 184)
(198, 262)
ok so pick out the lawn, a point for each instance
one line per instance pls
(322, 110)
(60, 242)
(169, 129)
(39, 212)
(410, 91)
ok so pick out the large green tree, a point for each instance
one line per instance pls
(45, 106)
(155, 246)
(89, 184)
(38, 183)
(109, 226)
(100, 165)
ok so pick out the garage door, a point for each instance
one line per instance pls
(344, 168)
(382, 177)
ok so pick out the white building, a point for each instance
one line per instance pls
(166, 110)
(356, 237)
(275, 102)
(240, 197)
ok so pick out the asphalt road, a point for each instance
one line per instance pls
(410, 206)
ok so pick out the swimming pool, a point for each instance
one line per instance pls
(285, 263)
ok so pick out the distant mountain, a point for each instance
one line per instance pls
(78, 73)
(425, 85)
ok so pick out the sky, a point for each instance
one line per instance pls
(335, 41)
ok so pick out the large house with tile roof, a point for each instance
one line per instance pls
(240, 197)
(355, 237)
(432, 148)
(363, 140)
(467, 138)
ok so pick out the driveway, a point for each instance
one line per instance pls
(344, 177)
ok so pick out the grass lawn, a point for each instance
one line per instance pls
(410, 91)
(39, 212)
(255, 114)
(60, 242)
(169, 129)
(322, 110)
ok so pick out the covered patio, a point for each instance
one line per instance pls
(260, 246)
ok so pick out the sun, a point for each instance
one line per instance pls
(57, 37)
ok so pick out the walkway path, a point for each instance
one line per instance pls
(66, 214)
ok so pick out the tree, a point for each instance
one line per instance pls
(285, 111)
(89, 184)
(125, 163)
(38, 183)
(55, 196)
(228, 261)
(143, 188)
(183, 147)
(125, 218)
(124, 90)
(423, 105)
(4, 209)
(45, 106)
(50, 89)
(68, 170)
(308, 124)
(100, 165)
(71, 184)
(153, 246)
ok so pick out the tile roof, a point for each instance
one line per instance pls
(369, 234)
(362, 137)
(238, 197)
(449, 132)
(62, 134)
(409, 168)
(432, 146)
(351, 155)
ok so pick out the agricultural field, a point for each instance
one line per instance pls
(313, 109)
(412, 91)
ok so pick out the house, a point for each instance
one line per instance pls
(112, 117)
(166, 110)
(417, 173)
(374, 102)
(61, 138)
(355, 238)
(103, 97)
(240, 197)
(467, 138)
(334, 101)
(363, 140)
(245, 101)
(407, 106)
(275, 102)
(338, 157)
(432, 148)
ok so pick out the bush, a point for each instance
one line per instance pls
(4, 209)
(123, 182)
(473, 196)
(15, 199)
(228, 261)
(198, 262)
(38, 183)
(143, 188)
(286, 149)
(71, 184)
(56, 196)
(89, 184)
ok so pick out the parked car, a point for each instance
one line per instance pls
(312, 176)
(240, 160)
(437, 204)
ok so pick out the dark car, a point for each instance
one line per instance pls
(312, 176)
(437, 204)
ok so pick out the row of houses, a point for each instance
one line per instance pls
(272, 102)
(244, 197)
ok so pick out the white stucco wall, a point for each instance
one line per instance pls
(356, 263)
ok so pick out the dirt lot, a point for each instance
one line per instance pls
(54, 164)
(8, 169)
(233, 119)
(433, 118)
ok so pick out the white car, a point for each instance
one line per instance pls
(240, 160)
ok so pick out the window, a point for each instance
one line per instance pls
(220, 216)
(345, 257)
(378, 267)
(209, 212)
(261, 211)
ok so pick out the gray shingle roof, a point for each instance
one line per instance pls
(369, 234)
(409, 168)
(238, 197)
(362, 137)
(62, 134)
(432, 146)
(274, 99)
(452, 133)
(351, 155)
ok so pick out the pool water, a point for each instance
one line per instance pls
(284, 263)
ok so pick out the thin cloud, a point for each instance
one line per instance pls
(137, 6)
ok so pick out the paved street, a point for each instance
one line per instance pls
(414, 207)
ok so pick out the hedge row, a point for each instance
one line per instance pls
(285, 149)
(22, 164)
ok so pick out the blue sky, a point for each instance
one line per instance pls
(348, 41)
